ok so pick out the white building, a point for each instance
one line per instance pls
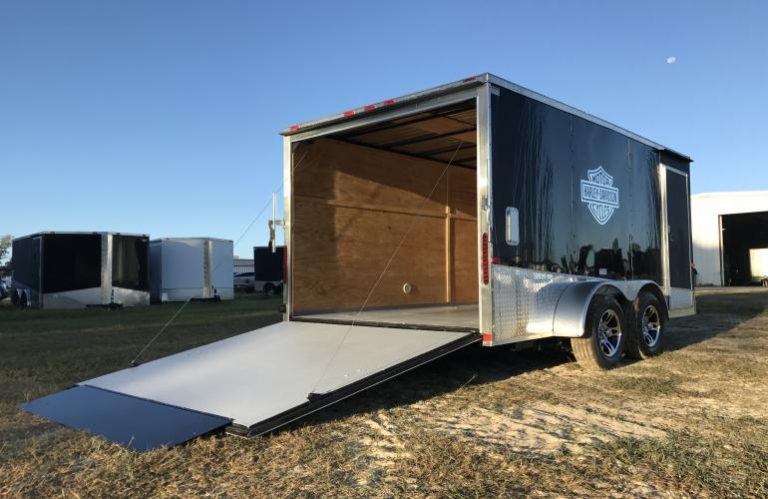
(725, 226)
(243, 265)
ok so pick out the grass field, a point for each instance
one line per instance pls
(691, 422)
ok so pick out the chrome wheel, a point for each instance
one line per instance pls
(651, 326)
(609, 333)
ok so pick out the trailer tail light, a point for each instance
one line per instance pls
(487, 338)
(486, 269)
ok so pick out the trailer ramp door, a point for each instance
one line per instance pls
(259, 380)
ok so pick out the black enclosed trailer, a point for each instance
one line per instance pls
(268, 269)
(80, 269)
(474, 212)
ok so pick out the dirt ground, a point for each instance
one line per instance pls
(691, 422)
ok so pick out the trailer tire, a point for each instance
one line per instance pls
(648, 324)
(269, 289)
(603, 344)
(24, 300)
(764, 283)
(14, 298)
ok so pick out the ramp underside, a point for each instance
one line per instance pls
(264, 376)
(132, 422)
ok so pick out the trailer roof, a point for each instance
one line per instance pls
(466, 83)
(80, 233)
(191, 239)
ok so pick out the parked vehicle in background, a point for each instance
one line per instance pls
(58, 270)
(184, 268)
(247, 282)
(758, 265)
(244, 282)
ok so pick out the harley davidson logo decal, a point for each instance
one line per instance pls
(599, 194)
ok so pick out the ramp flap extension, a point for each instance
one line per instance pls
(135, 423)
(257, 381)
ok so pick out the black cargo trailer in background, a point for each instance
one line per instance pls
(268, 265)
(268, 268)
(80, 269)
(474, 212)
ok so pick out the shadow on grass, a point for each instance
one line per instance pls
(718, 312)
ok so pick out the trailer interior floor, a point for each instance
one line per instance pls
(440, 317)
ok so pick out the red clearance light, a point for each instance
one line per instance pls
(486, 270)
(349, 113)
(487, 337)
(369, 107)
(294, 127)
(389, 102)
(467, 80)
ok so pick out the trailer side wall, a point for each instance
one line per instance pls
(542, 159)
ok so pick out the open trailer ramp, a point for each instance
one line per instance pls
(255, 382)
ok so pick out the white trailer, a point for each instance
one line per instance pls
(758, 264)
(184, 268)
(477, 212)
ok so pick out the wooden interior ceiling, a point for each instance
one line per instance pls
(435, 135)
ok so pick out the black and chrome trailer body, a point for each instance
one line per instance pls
(58, 270)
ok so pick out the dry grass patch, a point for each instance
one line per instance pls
(692, 422)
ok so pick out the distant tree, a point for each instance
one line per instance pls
(5, 247)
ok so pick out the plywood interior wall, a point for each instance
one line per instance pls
(352, 207)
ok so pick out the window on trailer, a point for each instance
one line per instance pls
(365, 194)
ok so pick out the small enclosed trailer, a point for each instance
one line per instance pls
(474, 212)
(758, 266)
(184, 268)
(80, 269)
(268, 269)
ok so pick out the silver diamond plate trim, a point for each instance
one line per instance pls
(524, 301)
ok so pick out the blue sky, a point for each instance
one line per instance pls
(162, 117)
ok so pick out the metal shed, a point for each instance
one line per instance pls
(726, 226)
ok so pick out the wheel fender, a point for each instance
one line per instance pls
(571, 310)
